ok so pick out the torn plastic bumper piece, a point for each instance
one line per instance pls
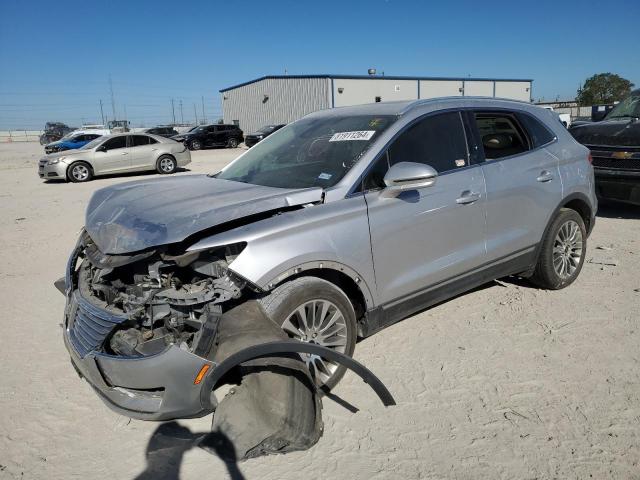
(273, 349)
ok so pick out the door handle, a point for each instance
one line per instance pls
(545, 176)
(124, 153)
(467, 197)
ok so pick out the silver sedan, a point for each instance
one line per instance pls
(117, 153)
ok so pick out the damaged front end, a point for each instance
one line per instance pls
(155, 332)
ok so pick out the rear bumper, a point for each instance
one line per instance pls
(618, 185)
(157, 387)
(251, 141)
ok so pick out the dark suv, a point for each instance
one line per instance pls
(167, 132)
(211, 136)
(615, 146)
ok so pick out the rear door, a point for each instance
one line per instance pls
(522, 179)
(115, 158)
(143, 151)
(430, 235)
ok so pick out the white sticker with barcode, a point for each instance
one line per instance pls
(349, 136)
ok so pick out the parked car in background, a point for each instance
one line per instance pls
(54, 131)
(565, 118)
(115, 154)
(344, 222)
(260, 134)
(615, 147)
(118, 126)
(71, 141)
(205, 136)
(167, 132)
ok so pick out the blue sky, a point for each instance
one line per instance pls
(56, 57)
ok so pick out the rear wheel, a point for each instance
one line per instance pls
(232, 143)
(313, 310)
(195, 145)
(79, 172)
(562, 252)
(166, 164)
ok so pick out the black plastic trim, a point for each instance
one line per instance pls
(272, 349)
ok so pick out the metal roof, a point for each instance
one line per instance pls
(377, 77)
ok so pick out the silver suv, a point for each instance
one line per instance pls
(337, 225)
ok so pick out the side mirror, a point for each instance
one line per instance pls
(101, 148)
(409, 176)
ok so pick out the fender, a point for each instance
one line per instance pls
(271, 349)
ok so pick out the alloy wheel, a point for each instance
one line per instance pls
(322, 323)
(80, 173)
(167, 165)
(567, 249)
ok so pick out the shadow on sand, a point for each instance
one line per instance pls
(171, 441)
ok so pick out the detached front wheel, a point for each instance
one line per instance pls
(313, 310)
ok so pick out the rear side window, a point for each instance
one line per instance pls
(438, 141)
(538, 133)
(501, 135)
(140, 140)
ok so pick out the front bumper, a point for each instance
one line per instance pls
(157, 387)
(250, 141)
(58, 170)
(618, 185)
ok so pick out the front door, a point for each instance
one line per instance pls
(115, 156)
(422, 238)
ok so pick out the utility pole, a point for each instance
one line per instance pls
(196, 113)
(101, 112)
(204, 117)
(181, 114)
(125, 112)
(113, 102)
(173, 112)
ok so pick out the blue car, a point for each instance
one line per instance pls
(70, 142)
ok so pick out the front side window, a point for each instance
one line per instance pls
(312, 152)
(438, 141)
(116, 142)
(501, 135)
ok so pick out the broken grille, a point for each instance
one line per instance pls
(90, 326)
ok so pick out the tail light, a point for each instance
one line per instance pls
(590, 158)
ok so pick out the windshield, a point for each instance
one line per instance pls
(68, 136)
(629, 107)
(93, 143)
(312, 152)
(266, 129)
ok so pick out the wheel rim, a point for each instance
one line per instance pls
(321, 322)
(80, 172)
(567, 249)
(166, 165)
(233, 143)
(195, 145)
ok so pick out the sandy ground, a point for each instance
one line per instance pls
(504, 382)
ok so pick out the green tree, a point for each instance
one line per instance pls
(603, 88)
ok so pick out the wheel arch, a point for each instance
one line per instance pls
(340, 275)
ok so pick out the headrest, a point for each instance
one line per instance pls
(497, 140)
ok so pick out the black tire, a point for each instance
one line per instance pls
(545, 274)
(79, 172)
(195, 145)
(285, 299)
(232, 143)
(166, 165)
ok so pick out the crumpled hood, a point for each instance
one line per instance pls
(138, 215)
(623, 133)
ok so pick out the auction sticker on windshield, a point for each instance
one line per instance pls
(348, 136)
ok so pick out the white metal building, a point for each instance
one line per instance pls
(283, 99)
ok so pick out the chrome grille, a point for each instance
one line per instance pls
(90, 325)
